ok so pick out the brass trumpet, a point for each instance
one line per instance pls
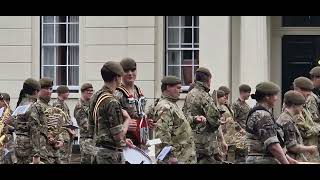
(5, 115)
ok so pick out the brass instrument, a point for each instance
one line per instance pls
(56, 121)
(5, 115)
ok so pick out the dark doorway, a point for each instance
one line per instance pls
(299, 55)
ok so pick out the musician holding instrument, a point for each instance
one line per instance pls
(44, 140)
(108, 123)
(133, 101)
(172, 127)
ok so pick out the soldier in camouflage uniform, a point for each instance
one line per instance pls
(172, 127)
(43, 142)
(313, 101)
(233, 134)
(264, 135)
(292, 138)
(203, 117)
(128, 94)
(108, 123)
(240, 107)
(81, 113)
(68, 134)
(23, 127)
(309, 130)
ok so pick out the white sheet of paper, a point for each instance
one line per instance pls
(1, 111)
(153, 142)
(164, 152)
(21, 110)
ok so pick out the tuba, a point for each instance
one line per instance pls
(5, 115)
(56, 120)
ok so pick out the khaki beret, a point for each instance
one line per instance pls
(244, 88)
(45, 82)
(62, 89)
(303, 83)
(268, 88)
(86, 86)
(30, 82)
(128, 64)
(315, 71)
(114, 67)
(204, 70)
(294, 97)
(225, 89)
(220, 93)
(171, 80)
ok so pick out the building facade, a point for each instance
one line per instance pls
(237, 49)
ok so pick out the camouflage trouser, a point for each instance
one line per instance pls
(309, 142)
(236, 155)
(23, 150)
(108, 156)
(66, 150)
(205, 159)
(87, 150)
(261, 160)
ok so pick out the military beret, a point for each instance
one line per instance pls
(45, 82)
(315, 71)
(204, 70)
(86, 86)
(114, 67)
(220, 93)
(267, 88)
(5, 96)
(171, 80)
(30, 82)
(303, 83)
(294, 97)
(62, 89)
(128, 64)
(244, 88)
(225, 89)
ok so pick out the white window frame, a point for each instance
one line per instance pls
(181, 49)
(54, 44)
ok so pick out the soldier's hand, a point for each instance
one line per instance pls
(224, 147)
(242, 131)
(313, 149)
(173, 161)
(125, 114)
(132, 125)
(36, 160)
(86, 125)
(201, 119)
(222, 120)
(58, 144)
(130, 143)
(151, 124)
(8, 120)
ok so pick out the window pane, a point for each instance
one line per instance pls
(186, 75)
(73, 73)
(48, 71)
(196, 57)
(47, 33)
(73, 55)
(173, 20)
(186, 35)
(196, 21)
(73, 33)
(173, 57)
(196, 35)
(187, 57)
(61, 75)
(61, 18)
(73, 18)
(61, 55)
(173, 35)
(60, 33)
(48, 19)
(48, 55)
(186, 20)
(174, 71)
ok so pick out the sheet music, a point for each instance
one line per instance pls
(1, 111)
(21, 110)
(164, 152)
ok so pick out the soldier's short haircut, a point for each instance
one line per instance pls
(107, 75)
(164, 86)
(202, 77)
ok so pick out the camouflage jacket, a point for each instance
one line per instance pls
(108, 121)
(313, 102)
(199, 102)
(292, 136)
(129, 103)
(174, 130)
(241, 110)
(262, 131)
(81, 113)
(63, 106)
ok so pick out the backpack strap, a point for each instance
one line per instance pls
(100, 99)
